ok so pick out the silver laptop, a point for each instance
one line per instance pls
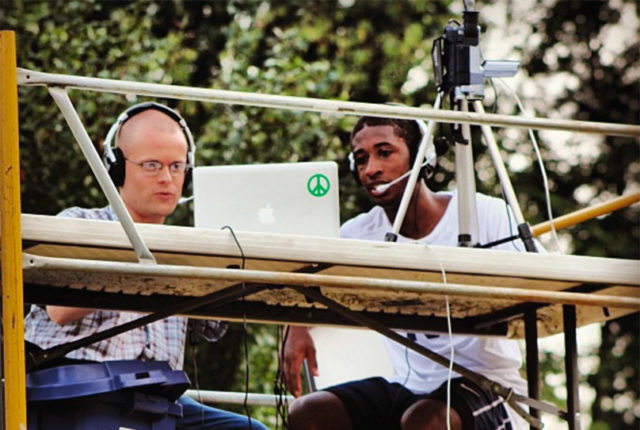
(287, 198)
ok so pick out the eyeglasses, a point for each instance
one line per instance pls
(153, 167)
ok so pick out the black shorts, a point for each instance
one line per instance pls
(376, 404)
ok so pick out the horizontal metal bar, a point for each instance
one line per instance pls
(237, 398)
(250, 310)
(30, 77)
(31, 262)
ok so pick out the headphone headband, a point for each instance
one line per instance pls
(112, 155)
(139, 108)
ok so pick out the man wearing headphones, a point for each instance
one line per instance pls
(382, 151)
(151, 164)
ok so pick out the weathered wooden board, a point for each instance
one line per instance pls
(386, 278)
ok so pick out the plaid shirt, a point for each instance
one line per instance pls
(162, 340)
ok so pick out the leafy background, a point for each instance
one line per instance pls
(579, 60)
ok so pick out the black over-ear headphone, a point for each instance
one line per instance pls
(114, 158)
(430, 155)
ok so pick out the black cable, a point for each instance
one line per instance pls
(279, 386)
(194, 355)
(245, 335)
(498, 242)
(512, 237)
(276, 387)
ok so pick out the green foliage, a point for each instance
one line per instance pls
(87, 38)
(222, 365)
(361, 50)
(606, 93)
(617, 382)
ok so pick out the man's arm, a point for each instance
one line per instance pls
(298, 346)
(63, 314)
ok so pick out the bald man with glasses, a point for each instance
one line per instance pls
(151, 163)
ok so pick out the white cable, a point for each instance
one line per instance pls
(406, 359)
(450, 332)
(446, 298)
(540, 164)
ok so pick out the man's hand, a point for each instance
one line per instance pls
(299, 345)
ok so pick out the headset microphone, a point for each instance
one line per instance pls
(384, 187)
(429, 159)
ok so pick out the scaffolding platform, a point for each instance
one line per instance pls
(91, 263)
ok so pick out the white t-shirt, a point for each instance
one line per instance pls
(497, 358)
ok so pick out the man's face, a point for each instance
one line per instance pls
(152, 136)
(380, 156)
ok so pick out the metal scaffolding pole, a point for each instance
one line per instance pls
(11, 240)
(339, 107)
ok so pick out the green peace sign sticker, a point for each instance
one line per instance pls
(318, 185)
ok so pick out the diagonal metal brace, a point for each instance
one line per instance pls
(37, 358)
(507, 394)
(228, 294)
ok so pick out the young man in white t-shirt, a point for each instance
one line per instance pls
(415, 398)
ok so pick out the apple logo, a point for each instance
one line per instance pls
(267, 214)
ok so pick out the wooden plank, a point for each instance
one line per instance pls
(374, 277)
(565, 269)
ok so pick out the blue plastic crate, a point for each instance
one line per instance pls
(105, 396)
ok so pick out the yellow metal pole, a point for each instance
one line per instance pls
(15, 407)
(586, 213)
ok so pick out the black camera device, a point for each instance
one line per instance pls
(457, 63)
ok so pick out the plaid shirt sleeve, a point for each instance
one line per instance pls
(162, 340)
